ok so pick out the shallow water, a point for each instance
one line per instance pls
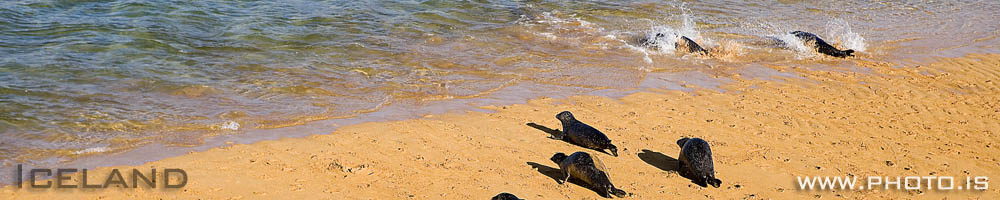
(89, 78)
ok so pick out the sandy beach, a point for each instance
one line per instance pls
(939, 119)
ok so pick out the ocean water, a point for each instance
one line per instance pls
(80, 79)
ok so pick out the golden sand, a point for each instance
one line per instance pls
(941, 119)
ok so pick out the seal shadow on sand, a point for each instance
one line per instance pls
(665, 163)
(557, 175)
(554, 132)
(660, 161)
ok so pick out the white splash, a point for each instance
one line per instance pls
(92, 150)
(688, 28)
(671, 35)
(794, 43)
(841, 34)
(230, 125)
(549, 36)
(561, 27)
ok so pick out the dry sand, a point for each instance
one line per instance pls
(941, 119)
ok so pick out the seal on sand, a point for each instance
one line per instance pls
(589, 169)
(695, 162)
(505, 196)
(582, 134)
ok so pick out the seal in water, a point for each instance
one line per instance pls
(582, 134)
(505, 196)
(690, 46)
(696, 162)
(588, 169)
(683, 43)
(821, 45)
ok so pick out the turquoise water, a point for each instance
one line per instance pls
(79, 78)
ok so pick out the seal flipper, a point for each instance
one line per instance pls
(618, 192)
(559, 136)
(565, 172)
(849, 52)
(613, 149)
(714, 182)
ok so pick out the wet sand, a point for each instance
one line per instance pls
(940, 119)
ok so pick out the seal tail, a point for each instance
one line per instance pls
(714, 182)
(839, 53)
(618, 192)
(849, 52)
(613, 149)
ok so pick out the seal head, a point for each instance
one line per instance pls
(565, 116)
(558, 157)
(505, 196)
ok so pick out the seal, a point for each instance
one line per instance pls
(821, 46)
(696, 162)
(649, 42)
(683, 44)
(505, 196)
(690, 46)
(577, 132)
(589, 169)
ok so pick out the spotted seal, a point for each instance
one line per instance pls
(696, 162)
(505, 196)
(589, 169)
(821, 46)
(683, 44)
(690, 46)
(582, 134)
